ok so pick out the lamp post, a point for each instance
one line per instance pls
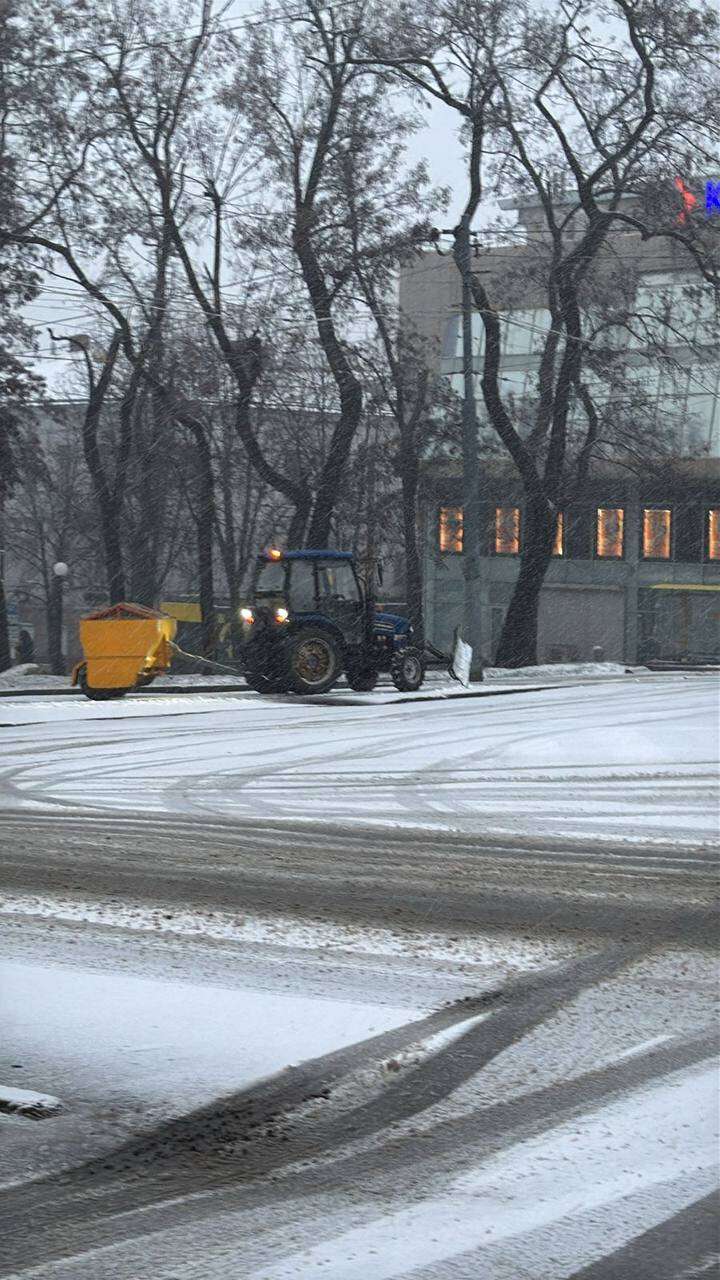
(464, 247)
(55, 617)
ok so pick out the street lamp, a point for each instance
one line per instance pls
(55, 618)
(464, 248)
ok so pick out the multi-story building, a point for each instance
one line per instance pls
(636, 569)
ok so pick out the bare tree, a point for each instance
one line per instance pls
(317, 118)
(609, 111)
(50, 520)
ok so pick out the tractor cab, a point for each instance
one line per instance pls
(310, 620)
(312, 586)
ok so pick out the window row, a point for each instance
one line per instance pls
(657, 534)
(674, 311)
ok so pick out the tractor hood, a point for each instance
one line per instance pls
(391, 622)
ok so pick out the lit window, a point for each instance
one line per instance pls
(609, 538)
(507, 531)
(656, 533)
(451, 529)
(558, 544)
(713, 532)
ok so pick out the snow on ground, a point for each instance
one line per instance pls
(20, 679)
(563, 671)
(633, 759)
(123, 1039)
(579, 1179)
(26, 1102)
(502, 953)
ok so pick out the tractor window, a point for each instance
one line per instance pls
(337, 580)
(271, 579)
(302, 586)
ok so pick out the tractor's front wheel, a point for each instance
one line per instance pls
(408, 669)
(314, 660)
(362, 679)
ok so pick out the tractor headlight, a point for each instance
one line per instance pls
(281, 614)
(247, 615)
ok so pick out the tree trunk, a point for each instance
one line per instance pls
(109, 500)
(228, 541)
(297, 527)
(348, 386)
(205, 525)
(471, 539)
(54, 615)
(142, 566)
(151, 432)
(409, 473)
(518, 642)
(112, 551)
(5, 651)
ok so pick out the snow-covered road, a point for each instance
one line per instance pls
(361, 987)
(543, 1125)
(627, 760)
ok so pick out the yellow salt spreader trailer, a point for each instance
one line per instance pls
(125, 646)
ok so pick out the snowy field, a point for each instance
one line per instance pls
(629, 759)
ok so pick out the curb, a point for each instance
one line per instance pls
(76, 693)
(333, 700)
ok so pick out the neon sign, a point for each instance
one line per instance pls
(690, 200)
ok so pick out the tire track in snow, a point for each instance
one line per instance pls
(75, 1219)
(196, 1140)
(684, 1246)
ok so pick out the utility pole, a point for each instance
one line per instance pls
(462, 250)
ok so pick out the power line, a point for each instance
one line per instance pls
(219, 28)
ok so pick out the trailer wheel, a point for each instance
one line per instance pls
(97, 695)
(408, 669)
(314, 660)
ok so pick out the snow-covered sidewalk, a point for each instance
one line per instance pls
(632, 759)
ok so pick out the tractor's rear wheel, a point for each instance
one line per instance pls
(97, 695)
(265, 684)
(314, 660)
(408, 669)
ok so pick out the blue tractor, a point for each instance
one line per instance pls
(309, 621)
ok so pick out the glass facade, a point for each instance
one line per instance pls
(679, 625)
(672, 375)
